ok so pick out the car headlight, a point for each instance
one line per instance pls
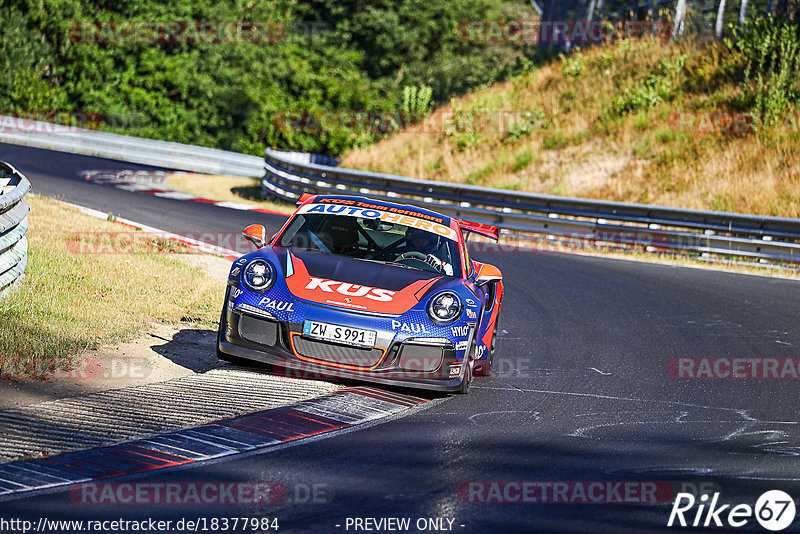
(444, 308)
(258, 275)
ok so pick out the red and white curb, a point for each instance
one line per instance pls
(335, 411)
(195, 244)
(144, 182)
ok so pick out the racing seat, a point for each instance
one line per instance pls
(340, 236)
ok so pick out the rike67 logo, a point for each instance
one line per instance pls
(774, 510)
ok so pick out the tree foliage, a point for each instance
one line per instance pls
(335, 55)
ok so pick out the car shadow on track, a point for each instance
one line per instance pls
(192, 348)
(195, 349)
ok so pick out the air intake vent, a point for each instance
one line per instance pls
(258, 330)
(330, 353)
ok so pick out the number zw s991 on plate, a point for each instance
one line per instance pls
(343, 334)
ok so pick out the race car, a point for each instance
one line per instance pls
(361, 289)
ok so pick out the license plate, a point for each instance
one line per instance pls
(358, 337)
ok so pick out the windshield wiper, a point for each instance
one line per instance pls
(386, 262)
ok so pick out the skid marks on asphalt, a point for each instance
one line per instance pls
(641, 424)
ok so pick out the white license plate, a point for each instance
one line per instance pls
(358, 337)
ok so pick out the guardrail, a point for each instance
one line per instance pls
(650, 227)
(179, 156)
(288, 174)
(13, 225)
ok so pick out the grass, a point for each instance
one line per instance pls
(225, 189)
(73, 300)
(626, 121)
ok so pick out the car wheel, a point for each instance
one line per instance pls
(484, 367)
(467, 382)
(492, 347)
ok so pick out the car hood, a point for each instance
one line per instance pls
(354, 284)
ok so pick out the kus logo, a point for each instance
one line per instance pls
(351, 290)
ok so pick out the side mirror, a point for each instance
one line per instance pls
(488, 274)
(256, 234)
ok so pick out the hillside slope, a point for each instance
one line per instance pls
(642, 121)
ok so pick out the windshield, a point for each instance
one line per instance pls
(376, 239)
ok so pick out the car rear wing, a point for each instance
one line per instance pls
(486, 230)
(305, 197)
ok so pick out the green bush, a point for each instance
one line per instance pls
(417, 99)
(555, 141)
(572, 66)
(657, 88)
(771, 49)
(524, 127)
(524, 159)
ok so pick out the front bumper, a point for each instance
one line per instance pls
(256, 335)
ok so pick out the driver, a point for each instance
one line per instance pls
(421, 241)
(427, 244)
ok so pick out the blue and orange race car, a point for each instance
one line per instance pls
(360, 289)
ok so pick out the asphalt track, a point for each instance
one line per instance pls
(580, 393)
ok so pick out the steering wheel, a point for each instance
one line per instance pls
(415, 254)
(385, 253)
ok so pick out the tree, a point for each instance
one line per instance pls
(590, 10)
(680, 16)
(792, 9)
(549, 13)
(743, 13)
(720, 19)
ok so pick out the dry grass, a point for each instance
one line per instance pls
(74, 298)
(583, 145)
(225, 189)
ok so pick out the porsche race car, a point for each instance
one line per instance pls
(361, 289)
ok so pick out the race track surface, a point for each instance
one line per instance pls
(580, 392)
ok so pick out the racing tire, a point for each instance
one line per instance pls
(485, 366)
(467, 382)
(492, 347)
